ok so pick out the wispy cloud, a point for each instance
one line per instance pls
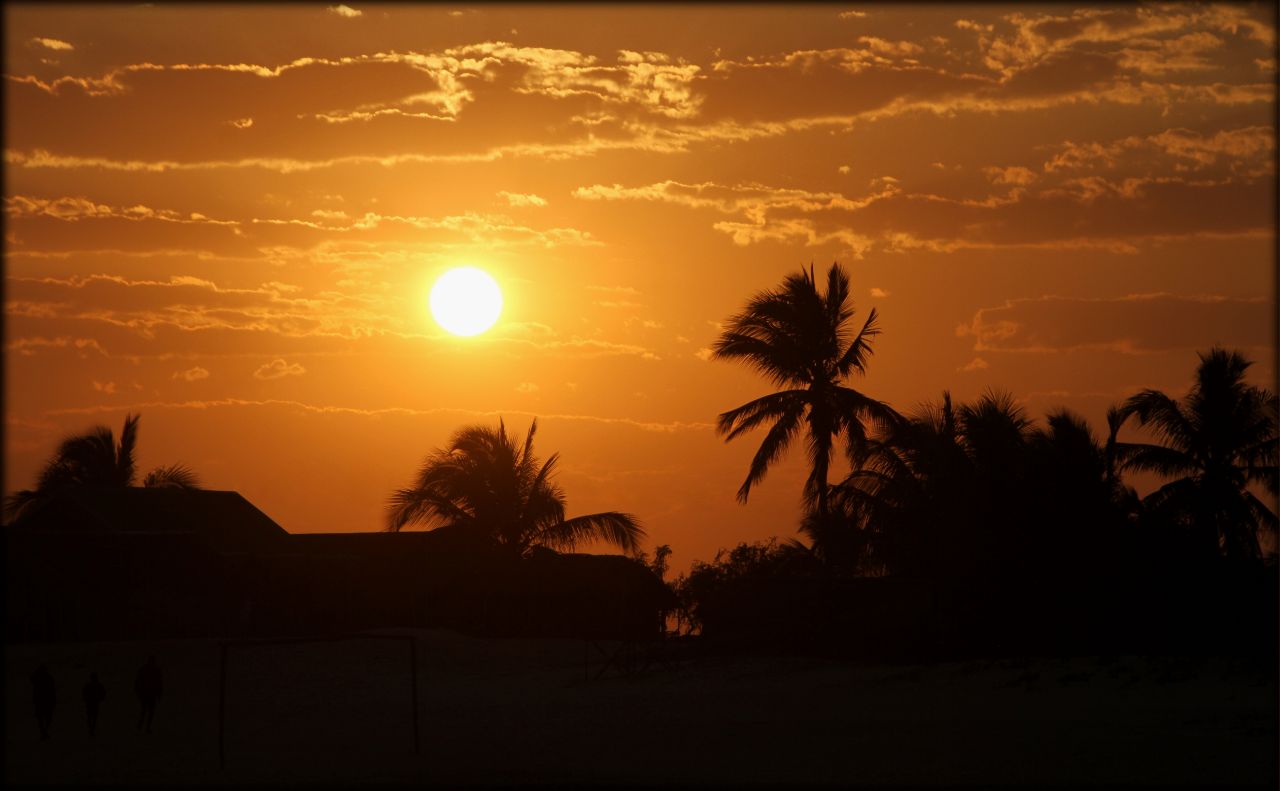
(52, 43)
(1132, 324)
(192, 374)
(522, 199)
(278, 369)
(667, 427)
(345, 11)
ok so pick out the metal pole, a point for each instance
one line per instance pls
(413, 674)
(222, 707)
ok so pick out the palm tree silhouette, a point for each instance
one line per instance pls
(911, 489)
(801, 340)
(950, 489)
(1214, 444)
(487, 481)
(95, 458)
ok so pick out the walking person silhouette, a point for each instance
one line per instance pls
(149, 686)
(45, 695)
(94, 693)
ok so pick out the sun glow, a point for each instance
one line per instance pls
(466, 301)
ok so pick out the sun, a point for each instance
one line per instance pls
(466, 301)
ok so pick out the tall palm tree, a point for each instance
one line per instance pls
(95, 458)
(1215, 444)
(487, 481)
(802, 340)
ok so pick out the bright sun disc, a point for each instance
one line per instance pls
(466, 301)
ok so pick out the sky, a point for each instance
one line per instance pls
(229, 218)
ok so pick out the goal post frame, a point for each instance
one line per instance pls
(224, 647)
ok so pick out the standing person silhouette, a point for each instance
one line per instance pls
(149, 686)
(45, 695)
(93, 693)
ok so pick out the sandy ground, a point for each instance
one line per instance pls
(515, 711)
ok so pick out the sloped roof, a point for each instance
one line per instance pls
(383, 543)
(225, 519)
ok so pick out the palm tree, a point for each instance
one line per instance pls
(949, 490)
(95, 458)
(487, 481)
(911, 491)
(802, 341)
(1215, 444)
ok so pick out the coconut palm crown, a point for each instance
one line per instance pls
(802, 339)
(96, 458)
(487, 480)
(1215, 444)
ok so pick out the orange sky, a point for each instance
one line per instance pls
(229, 217)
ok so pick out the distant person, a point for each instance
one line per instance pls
(149, 686)
(94, 693)
(45, 695)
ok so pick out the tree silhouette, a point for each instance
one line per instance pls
(1215, 443)
(954, 490)
(486, 481)
(802, 340)
(96, 458)
(908, 490)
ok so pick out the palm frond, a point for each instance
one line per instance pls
(1161, 413)
(18, 503)
(859, 352)
(124, 453)
(742, 419)
(619, 529)
(1159, 459)
(771, 449)
(175, 476)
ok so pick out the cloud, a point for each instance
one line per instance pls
(329, 214)
(278, 369)
(345, 11)
(852, 14)
(105, 227)
(976, 364)
(617, 303)
(1133, 324)
(28, 347)
(669, 427)
(80, 208)
(1223, 188)
(194, 374)
(620, 290)
(522, 200)
(1172, 150)
(104, 387)
(52, 43)
(527, 387)
(892, 48)
(879, 293)
(242, 123)
(752, 199)
(634, 100)
(703, 354)
(1018, 176)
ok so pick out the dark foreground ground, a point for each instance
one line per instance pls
(519, 711)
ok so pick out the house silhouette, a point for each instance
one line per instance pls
(120, 563)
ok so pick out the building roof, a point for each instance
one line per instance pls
(224, 519)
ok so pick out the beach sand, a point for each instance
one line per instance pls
(520, 712)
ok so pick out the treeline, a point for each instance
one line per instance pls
(971, 527)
